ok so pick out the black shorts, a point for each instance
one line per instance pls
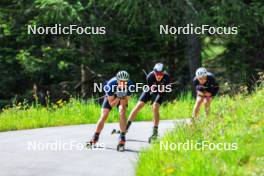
(155, 97)
(106, 104)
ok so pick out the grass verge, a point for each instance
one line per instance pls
(24, 116)
(234, 121)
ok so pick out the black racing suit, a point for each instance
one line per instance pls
(151, 95)
(209, 86)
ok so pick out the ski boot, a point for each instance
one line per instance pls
(121, 144)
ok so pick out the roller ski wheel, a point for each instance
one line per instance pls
(152, 138)
(121, 146)
(91, 144)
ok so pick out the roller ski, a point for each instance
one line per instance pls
(115, 131)
(121, 145)
(154, 136)
(92, 143)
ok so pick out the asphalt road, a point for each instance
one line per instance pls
(60, 151)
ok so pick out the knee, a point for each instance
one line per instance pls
(207, 101)
(199, 101)
(155, 107)
(139, 106)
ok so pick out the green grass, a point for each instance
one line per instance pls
(237, 120)
(24, 116)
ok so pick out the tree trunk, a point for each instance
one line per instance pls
(83, 81)
(193, 42)
(193, 53)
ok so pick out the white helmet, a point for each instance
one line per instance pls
(201, 72)
(122, 75)
(158, 67)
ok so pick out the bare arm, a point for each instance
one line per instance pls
(113, 101)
